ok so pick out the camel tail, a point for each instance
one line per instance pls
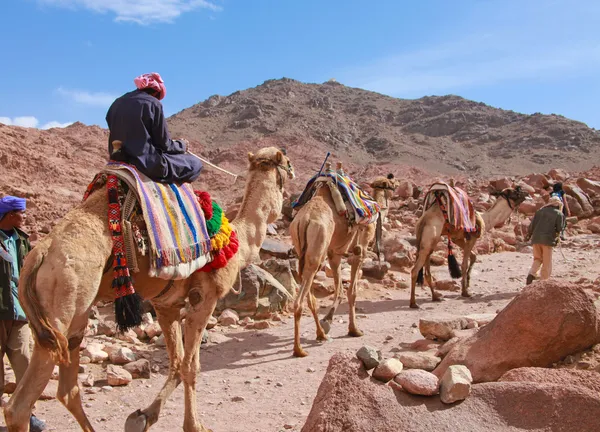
(453, 266)
(45, 334)
(303, 243)
(419, 235)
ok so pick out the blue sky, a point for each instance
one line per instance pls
(66, 60)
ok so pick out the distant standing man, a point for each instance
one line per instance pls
(544, 233)
(15, 333)
(557, 190)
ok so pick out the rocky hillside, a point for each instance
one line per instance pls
(445, 134)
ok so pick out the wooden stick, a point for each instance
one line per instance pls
(214, 166)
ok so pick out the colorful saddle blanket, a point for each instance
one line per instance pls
(456, 205)
(186, 230)
(350, 200)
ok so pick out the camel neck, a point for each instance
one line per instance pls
(261, 205)
(497, 214)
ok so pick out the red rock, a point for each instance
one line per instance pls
(500, 184)
(546, 322)
(405, 189)
(418, 382)
(537, 181)
(582, 199)
(589, 187)
(529, 207)
(348, 401)
(558, 174)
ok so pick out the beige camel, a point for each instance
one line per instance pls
(383, 191)
(318, 231)
(68, 271)
(432, 226)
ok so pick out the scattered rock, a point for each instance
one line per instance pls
(212, 322)
(276, 248)
(369, 356)
(418, 360)
(442, 327)
(418, 382)
(375, 269)
(94, 352)
(229, 317)
(138, 369)
(117, 376)
(387, 369)
(455, 385)
(122, 356)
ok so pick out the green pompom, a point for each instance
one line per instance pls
(213, 226)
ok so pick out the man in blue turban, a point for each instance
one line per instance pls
(14, 330)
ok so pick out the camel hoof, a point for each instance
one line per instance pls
(466, 294)
(355, 333)
(326, 325)
(414, 306)
(299, 352)
(437, 297)
(137, 422)
(324, 338)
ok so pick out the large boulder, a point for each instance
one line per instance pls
(276, 248)
(558, 174)
(349, 401)
(590, 187)
(537, 181)
(546, 322)
(261, 295)
(582, 199)
(282, 271)
(404, 189)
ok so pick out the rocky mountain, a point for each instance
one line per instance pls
(445, 134)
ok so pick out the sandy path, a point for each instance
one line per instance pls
(277, 389)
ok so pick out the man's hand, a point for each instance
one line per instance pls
(185, 142)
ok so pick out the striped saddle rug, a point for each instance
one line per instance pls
(178, 240)
(455, 204)
(349, 198)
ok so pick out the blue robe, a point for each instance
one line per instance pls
(137, 120)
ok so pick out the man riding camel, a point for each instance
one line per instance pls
(544, 232)
(137, 120)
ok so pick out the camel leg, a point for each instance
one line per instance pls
(168, 319)
(203, 302)
(422, 258)
(466, 268)
(312, 304)
(356, 263)
(69, 393)
(335, 261)
(311, 266)
(435, 296)
(18, 409)
(472, 263)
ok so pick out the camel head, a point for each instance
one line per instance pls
(514, 196)
(388, 183)
(269, 158)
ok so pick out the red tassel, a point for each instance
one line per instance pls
(205, 203)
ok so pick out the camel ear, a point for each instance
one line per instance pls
(251, 156)
(279, 157)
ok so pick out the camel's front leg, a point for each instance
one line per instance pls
(311, 266)
(168, 318)
(203, 300)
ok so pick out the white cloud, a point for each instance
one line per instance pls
(26, 121)
(82, 97)
(31, 122)
(138, 11)
(55, 124)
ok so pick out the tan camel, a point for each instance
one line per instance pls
(432, 226)
(68, 271)
(318, 231)
(383, 192)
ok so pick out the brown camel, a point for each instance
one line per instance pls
(67, 272)
(383, 191)
(432, 226)
(318, 231)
